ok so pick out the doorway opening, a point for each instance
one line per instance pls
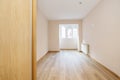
(69, 36)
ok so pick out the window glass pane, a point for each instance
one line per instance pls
(63, 32)
(69, 33)
(75, 33)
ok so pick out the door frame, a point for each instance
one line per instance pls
(34, 38)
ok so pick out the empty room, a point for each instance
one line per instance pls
(59, 39)
(78, 40)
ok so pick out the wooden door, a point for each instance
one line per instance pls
(15, 39)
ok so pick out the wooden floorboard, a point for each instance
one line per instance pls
(71, 65)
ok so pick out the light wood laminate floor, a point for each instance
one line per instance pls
(71, 65)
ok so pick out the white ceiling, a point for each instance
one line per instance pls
(66, 9)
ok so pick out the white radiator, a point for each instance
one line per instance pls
(85, 48)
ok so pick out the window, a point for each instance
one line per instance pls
(68, 31)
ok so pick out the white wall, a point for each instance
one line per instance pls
(53, 32)
(42, 35)
(101, 30)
